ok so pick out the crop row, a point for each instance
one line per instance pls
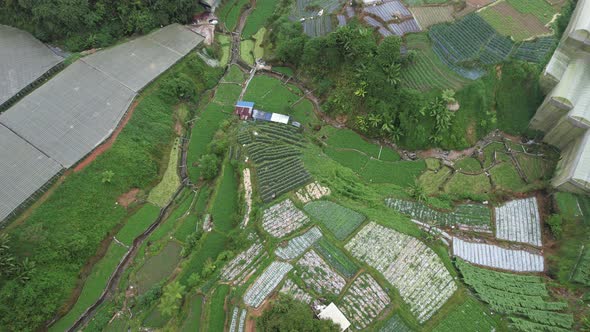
(260, 154)
(266, 283)
(318, 26)
(512, 296)
(283, 218)
(318, 275)
(296, 246)
(291, 288)
(241, 262)
(467, 215)
(389, 10)
(336, 257)
(340, 220)
(519, 221)
(408, 264)
(582, 272)
(364, 301)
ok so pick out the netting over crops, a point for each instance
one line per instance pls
(23, 170)
(23, 59)
(70, 115)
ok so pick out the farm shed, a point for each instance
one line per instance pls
(23, 60)
(334, 314)
(244, 109)
(71, 114)
(23, 170)
(564, 115)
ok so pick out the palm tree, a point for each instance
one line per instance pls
(170, 301)
(361, 123)
(392, 73)
(7, 261)
(24, 270)
(375, 120)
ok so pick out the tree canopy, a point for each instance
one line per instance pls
(288, 314)
(81, 24)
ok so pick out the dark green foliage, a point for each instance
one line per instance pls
(555, 222)
(209, 166)
(179, 86)
(82, 24)
(518, 96)
(523, 298)
(287, 314)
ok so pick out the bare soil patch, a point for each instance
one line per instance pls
(128, 198)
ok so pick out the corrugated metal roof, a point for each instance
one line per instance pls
(23, 170)
(23, 59)
(245, 104)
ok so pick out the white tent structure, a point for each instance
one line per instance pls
(334, 314)
(564, 115)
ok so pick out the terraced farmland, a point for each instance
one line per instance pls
(427, 71)
(291, 288)
(318, 275)
(364, 301)
(296, 246)
(276, 155)
(519, 221)
(341, 221)
(408, 264)
(266, 283)
(510, 22)
(429, 16)
(318, 26)
(524, 299)
(283, 218)
(475, 216)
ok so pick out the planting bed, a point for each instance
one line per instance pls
(312, 192)
(236, 268)
(290, 288)
(158, 267)
(524, 299)
(266, 283)
(519, 221)
(477, 217)
(247, 195)
(414, 269)
(341, 221)
(509, 22)
(318, 275)
(395, 324)
(363, 301)
(497, 257)
(469, 316)
(318, 26)
(276, 155)
(336, 257)
(283, 218)
(535, 50)
(388, 11)
(296, 246)
(428, 16)
(404, 27)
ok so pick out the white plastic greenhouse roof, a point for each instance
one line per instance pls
(23, 59)
(71, 114)
(139, 61)
(579, 27)
(67, 117)
(581, 173)
(23, 170)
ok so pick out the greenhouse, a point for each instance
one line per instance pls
(70, 115)
(23, 60)
(564, 115)
(23, 170)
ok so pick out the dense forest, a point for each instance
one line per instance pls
(82, 24)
